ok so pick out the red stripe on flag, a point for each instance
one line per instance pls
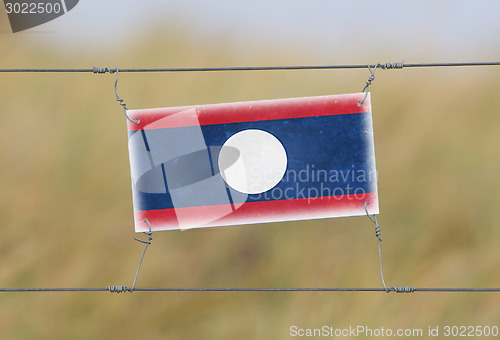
(261, 212)
(251, 111)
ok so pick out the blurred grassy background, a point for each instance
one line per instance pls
(66, 208)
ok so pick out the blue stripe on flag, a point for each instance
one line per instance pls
(327, 156)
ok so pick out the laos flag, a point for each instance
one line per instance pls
(252, 162)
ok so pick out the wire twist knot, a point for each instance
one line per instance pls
(370, 79)
(118, 289)
(392, 66)
(104, 70)
(368, 83)
(385, 66)
(403, 289)
(377, 234)
(120, 100)
(374, 220)
(147, 243)
(148, 233)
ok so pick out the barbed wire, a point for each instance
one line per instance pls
(398, 65)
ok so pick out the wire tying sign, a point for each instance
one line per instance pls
(252, 162)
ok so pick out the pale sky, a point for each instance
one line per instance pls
(455, 30)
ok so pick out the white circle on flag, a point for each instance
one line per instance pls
(252, 161)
